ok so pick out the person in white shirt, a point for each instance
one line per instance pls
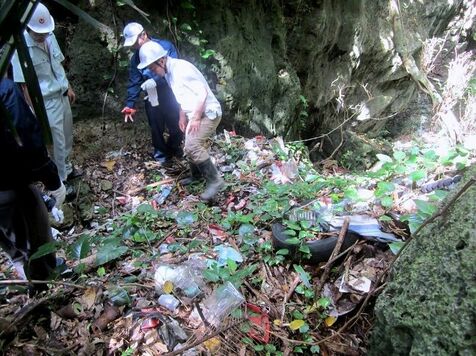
(200, 111)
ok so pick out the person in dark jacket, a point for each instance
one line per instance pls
(164, 113)
(24, 225)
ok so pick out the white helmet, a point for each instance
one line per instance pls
(130, 33)
(41, 20)
(149, 53)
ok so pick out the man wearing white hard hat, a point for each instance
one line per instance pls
(161, 107)
(198, 105)
(57, 94)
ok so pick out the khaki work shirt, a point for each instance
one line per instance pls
(47, 64)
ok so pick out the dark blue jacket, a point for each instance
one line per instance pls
(30, 162)
(137, 77)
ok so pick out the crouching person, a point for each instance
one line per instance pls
(198, 106)
(24, 224)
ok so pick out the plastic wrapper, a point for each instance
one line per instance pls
(221, 303)
(186, 278)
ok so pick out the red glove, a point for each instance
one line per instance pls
(128, 113)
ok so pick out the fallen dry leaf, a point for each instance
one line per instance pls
(88, 298)
(109, 165)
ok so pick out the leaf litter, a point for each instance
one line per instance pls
(152, 270)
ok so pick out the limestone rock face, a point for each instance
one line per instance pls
(298, 69)
(429, 306)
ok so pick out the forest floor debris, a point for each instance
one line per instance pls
(157, 271)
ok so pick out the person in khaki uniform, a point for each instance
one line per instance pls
(198, 106)
(55, 89)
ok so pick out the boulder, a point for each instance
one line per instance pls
(429, 305)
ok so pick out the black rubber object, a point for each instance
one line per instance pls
(320, 250)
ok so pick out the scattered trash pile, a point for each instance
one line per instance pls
(282, 263)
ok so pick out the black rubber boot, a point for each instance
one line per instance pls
(194, 176)
(214, 182)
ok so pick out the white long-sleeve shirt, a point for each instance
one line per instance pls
(188, 85)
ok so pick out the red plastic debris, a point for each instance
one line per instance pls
(260, 323)
(150, 323)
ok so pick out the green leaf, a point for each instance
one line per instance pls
(270, 348)
(324, 302)
(232, 266)
(208, 53)
(109, 252)
(81, 248)
(399, 155)
(387, 202)
(315, 349)
(424, 207)
(297, 314)
(119, 296)
(283, 251)
(438, 195)
(146, 208)
(351, 193)
(258, 347)
(185, 27)
(304, 329)
(101, 271)
(293, 225)
(293, 241)
(45, 249)
(385, 218)
(210, 275)
(304, 249)
(417, 175)
(303, 275)
(396, 246)
(384, 188)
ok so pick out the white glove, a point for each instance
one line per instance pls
(58, 214)
(60, 195)
(150, 86)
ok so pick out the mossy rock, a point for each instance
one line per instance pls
(429, 306)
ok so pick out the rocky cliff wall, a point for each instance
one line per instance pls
(300, 69)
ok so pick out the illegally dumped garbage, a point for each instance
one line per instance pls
(186, 278)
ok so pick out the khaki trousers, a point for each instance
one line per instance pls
(195, 147)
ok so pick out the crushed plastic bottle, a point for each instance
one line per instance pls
(165, 191)
(169, 301)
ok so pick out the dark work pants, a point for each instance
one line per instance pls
(166, 115)
(24, 227)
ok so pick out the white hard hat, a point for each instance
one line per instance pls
(41, 20)
(149, 53)
(131, 31)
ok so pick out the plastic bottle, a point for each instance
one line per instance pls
(169, 301)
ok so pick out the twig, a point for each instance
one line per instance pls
(35, 281)
(339, 145)
(152, 185)
(289, 294)
(336, 250)
(340, 254)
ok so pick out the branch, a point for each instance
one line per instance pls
(336, 250)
